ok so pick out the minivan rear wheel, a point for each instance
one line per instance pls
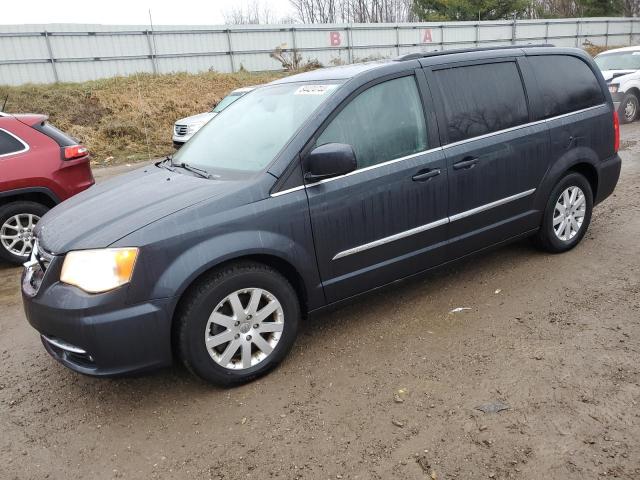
(567, 214)
(237, 323)
(17, 221)
(628, 109)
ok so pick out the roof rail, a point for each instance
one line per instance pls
(414, 56)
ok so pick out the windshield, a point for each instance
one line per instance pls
(226, 101)
(619, 61)
(248, 136)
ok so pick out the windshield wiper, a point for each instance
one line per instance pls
(163, 163)
(198, 171)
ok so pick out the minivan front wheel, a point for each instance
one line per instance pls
(567, 214)
(238, 323)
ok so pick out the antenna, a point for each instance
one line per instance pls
(5, 103)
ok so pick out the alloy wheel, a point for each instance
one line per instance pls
(569, 212)
(16, 233)
(244, 328)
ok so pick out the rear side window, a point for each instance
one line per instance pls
(382, 123)
(10, 144)
(567, 84)
(480, 99)
(56, 135)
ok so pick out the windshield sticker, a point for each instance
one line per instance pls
(314, 89)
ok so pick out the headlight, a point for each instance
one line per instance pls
(613, 87)
(97, 271)
(194, 127)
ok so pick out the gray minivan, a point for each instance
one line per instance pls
(314, 189)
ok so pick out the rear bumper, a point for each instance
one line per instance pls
(99, 334)
(608, 175)
(73, 177)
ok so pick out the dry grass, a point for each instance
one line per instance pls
(594, 50)
(125, 119)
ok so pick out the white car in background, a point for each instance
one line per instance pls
(184, 128)
(621, 69)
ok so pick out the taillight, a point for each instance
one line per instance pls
(616, 132)
(75, 151)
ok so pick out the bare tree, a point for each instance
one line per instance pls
(254, 13)
(356, 11)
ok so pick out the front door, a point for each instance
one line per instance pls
(388, 218)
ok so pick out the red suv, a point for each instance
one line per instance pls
(40, 166)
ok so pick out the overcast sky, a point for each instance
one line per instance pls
(164, 12)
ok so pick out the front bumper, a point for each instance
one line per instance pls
(100, 334)
(179, 140)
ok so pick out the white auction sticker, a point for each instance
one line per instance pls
(314, 89)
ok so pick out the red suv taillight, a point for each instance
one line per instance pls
(75, 151)
(616, 132)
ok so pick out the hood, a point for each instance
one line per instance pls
(104, 213)
(611, 74)
(201, 117)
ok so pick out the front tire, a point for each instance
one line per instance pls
(567, 214)
(17, 221)
(237, 323)
(628, 109)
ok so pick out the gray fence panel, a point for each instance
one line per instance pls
(74, 53)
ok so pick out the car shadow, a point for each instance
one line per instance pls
(178, 384)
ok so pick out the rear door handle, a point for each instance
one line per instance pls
(467, 162)
(424, 175)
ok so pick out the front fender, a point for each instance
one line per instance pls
(178, 249)
(200, 258)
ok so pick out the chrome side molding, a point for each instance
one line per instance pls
(429, 226)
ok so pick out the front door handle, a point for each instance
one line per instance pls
(467, 162)
(424, 175)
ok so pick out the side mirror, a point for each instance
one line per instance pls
(329, 160)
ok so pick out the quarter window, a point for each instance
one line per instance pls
(382, 123)
(9, 144)
(480, 99)
(567, 84)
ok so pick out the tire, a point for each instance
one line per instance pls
(547, 238)
(243, 282)
(23, 211)
(628, 109)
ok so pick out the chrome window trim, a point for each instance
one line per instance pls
(24, 144)
(449, 145)
(289, 190)
(429, 226)
(364, 169)
(377, 165)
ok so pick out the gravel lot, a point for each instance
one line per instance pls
(384, 388)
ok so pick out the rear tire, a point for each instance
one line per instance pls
(567, 214)
(237, 323)
(17, 220)
(628, 109)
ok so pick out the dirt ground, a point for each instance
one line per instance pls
(384, 388)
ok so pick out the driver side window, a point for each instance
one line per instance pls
(383, 123)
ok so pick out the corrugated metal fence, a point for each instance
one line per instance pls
(74, 53)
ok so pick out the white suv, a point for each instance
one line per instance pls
(184, 128)
(621, 69)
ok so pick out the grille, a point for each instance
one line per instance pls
(181, 130)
